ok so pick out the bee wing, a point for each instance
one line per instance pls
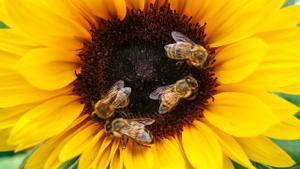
(155, 95)
(179, 37)
(138, 134)
(141, 122)
(121, 99)
(117, 86)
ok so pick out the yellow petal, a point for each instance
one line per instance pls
(53, 157)
(66, 9)
(9, 116)
(15, 90)
(168, 155)
(281, 66)
(46, 120)
(137, 156)
(8, 60)
(103, 8)
(4, 146)
(285, 18)
(201, 147)
(48, 69)
(290, 89)
(179, 6)
(135, 4)
(227, 163)
(106, 152)
(232, 149)
(237, 61)
(25, 16)
(232, 29)
(281, 107)
(14, 43)
(42, 154)
(240, 114)
(286, 130)
(88, 156)
(264, 151)
(117, 160)
(77, 144)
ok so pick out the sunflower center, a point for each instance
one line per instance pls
(132, 50)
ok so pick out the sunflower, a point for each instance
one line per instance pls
(58, 58)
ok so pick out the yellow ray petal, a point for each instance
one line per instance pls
(179, 6)
(197, 8)
(201, 147)
(240, 114)
(46, 120)
(103, 8)
(14, 43)
(4, 146)
(106, 152)
(232, 149)
(136, 4)
(117, 160)
(227, 163)
(15, 90)
(53, 157)
(264, 151)
(281, 107)
(66, 9)
(168, 155)
(9, 116)
(77, 144)
(25, 16)
(237, 61)
(43, 152)
(280, 67)
(87, 158)
(287, 17)
(289, 129)
(8, 60)
(290, 89)
(137, 156)
(49, 69)
(232, 30)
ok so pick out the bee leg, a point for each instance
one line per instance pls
(124, 141)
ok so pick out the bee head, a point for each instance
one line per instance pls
(192, 82)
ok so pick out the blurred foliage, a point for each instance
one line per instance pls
(10, 160)
(2, 25)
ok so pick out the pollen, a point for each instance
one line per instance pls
(132, 50)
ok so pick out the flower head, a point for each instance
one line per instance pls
(65, 62)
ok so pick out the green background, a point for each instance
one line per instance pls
(10, 160)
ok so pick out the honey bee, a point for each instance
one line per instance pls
(116, 98)
(170, 95)
(186, 49)
(131, 128)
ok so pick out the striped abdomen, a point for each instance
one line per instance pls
(179, 50)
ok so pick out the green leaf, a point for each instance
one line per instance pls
(290, 2)
(71, 164)
(11, 160)
(291, 98)
(2, 25)
(291, 147)
(28, 154)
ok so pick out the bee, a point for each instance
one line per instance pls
(116, 98)
(186, 49)
(131, 128)
(170, 95)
